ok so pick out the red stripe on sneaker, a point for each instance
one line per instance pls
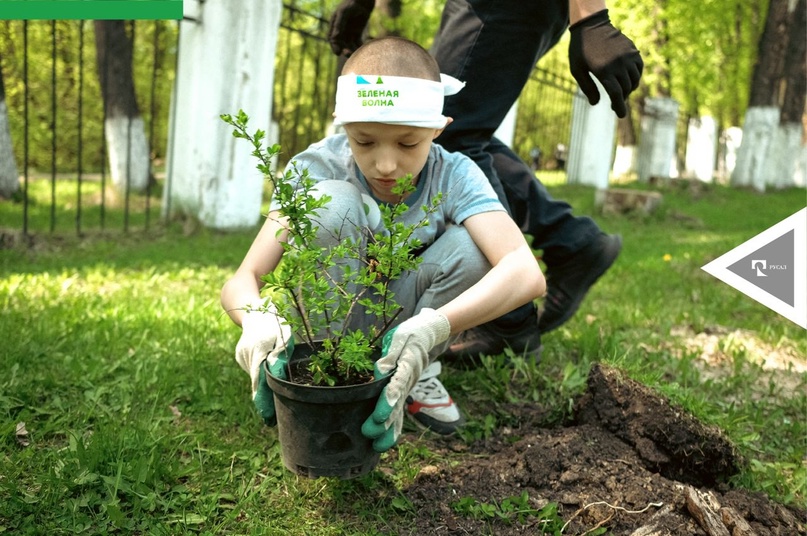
(416, 406)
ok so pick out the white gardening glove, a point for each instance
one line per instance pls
(405, 350)
(265, 336)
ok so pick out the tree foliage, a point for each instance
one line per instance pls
(699, 53)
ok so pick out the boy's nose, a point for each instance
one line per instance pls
(385, 164)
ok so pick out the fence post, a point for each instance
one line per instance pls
(753, 167)
(657, 143)
(226, 62)
(592, 144)
(507, 130)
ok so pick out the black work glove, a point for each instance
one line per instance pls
(598, 48)
(347, 25)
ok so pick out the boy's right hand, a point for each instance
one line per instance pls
(405, 354)
(347, 25)
(265, 337)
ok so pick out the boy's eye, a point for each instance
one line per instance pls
(409, 145)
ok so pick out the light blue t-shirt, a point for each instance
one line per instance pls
(466, 190)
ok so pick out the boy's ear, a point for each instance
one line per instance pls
(437, 132)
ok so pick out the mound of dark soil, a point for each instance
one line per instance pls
(632, 463)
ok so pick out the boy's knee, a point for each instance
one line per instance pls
(343, 212)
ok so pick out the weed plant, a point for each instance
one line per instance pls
(122, 410)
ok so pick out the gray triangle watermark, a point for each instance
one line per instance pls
(771, 268)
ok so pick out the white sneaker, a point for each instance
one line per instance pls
(430, 405)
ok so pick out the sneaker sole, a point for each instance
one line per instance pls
(424, 422)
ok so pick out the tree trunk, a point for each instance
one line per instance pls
(123, 127)
(795, 69)
(772, 153)
(790, 152)
(9, 180)
(769, 66)
(390, 8)
(390, 11)
(660, 37)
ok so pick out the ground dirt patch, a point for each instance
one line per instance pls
(631, 464)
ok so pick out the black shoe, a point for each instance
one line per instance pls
(568, 282)
(487, 339)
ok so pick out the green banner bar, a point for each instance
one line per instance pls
(90, 9)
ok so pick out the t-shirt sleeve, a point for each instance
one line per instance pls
(466, 190)
(324, 160)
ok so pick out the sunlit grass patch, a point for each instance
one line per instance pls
(117, 358)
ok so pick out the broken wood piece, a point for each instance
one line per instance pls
(735, 522)
(704, 515)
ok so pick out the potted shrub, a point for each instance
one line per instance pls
(329, 389)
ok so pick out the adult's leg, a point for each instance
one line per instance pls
(548, 220)
(493, 46)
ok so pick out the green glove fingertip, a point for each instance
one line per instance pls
(387, 340)
(385, 442)
(371, 429)
(264, 400)
(278, 368)
(383, 408)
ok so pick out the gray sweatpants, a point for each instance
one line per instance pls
(450, 265)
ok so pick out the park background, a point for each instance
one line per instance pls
(122, 407)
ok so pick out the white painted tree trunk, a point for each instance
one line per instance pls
(800, 173)
(624, 160)
(592, 144)
(226, 63)
(128, 150)
(785, 155)
(730, 143)
(9, 179)
(656, 156)
(753, 165)
(701, 150)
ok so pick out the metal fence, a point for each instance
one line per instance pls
(56, 115)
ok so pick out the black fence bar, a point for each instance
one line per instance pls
(53, 126)
(80, 126)
(152, 108)
(545, 118)
(25, 130)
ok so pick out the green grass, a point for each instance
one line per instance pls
(119, 362)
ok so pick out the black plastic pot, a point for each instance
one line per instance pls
(320, 427)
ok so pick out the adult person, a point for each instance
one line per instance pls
(493, 45)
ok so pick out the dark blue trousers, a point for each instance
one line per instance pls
(493, 45)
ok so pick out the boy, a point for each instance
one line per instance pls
(476, 263)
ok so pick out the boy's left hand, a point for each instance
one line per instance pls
(406, 351)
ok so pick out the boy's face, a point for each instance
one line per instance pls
(386, 152)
